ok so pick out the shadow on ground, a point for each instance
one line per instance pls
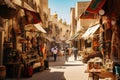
(45, 75)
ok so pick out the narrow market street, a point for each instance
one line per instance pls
(59, 40)
(61, 70)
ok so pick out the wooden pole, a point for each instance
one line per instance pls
(1, 47)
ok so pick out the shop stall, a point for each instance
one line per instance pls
(109, 29)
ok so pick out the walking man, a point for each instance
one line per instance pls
(66, 54)
(75, 51)
(55, 51)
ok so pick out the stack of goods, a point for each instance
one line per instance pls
(95, 64)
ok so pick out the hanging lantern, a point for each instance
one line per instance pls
(101, 12)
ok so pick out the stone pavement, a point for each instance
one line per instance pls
(61, 70)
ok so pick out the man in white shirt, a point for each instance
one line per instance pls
(55, 51)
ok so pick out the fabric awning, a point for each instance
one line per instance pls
(23, 5)
(93, 9)
(68, 41)
(111, 8)
(73, 37)
(39, 27)
(90, 31)
(7, 9)
(95, 6)
(10, 4)
(31, 16)
(86, 34)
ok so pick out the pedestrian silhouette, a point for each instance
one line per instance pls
(75, 52)
(55, 51)
(66, 54)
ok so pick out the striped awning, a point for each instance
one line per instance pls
(74, 36)
(40, 28)
(90, 31)
(95, 6)
(93, 9)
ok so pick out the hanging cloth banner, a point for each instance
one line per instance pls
(95, 6)
(32, 17)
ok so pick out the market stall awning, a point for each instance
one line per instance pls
(7, 9)
(90, 31)
(40, 28)
(93, 9)
(30, 15)
(95, 6)
(23, 5)
(73, 37)
(111, 8)
(9, 3)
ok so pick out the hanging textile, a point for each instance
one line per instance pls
(32, 17)
(95, 6)
(93, 9)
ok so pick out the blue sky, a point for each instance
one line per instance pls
(62, 8)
